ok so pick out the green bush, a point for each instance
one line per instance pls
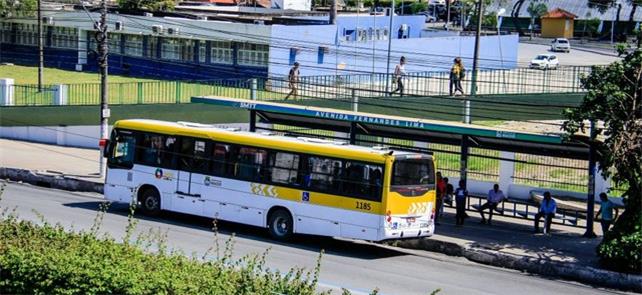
(46, 259)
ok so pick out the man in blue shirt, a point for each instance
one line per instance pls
(606, 209)
(495, 196)
(547, 210)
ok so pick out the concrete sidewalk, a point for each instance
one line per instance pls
(508, 243)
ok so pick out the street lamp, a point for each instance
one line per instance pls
(499, 35)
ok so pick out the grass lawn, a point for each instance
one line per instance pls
(29, 75)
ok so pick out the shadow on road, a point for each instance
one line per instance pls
(307, 242)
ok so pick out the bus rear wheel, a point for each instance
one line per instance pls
(150, 202)
(280, 225)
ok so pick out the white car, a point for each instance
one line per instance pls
(545, 62)
(561, 44)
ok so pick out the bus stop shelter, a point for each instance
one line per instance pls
(420, 130)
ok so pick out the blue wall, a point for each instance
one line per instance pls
(129, 66)
(422, 54)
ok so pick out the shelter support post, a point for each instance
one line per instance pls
(353, 133)
(463, 166)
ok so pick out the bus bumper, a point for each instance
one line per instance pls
(408, 233)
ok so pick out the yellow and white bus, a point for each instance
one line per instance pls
(287, 184)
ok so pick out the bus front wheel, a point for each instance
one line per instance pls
(150, 202)
(280, 224)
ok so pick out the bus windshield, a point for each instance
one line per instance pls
(413, 172)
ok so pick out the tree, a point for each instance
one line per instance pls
(634, 6)
(614, 100)
(514, 13)
(536, 10)
(150, 5)
(17, 8)
(603, 5)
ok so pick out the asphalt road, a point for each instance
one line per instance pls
(357, 266)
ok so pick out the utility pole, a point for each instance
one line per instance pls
(473, 82)
(392, 12)
(101, 38)
(41, 59)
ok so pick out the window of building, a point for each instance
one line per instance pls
(27, 34)
(202, 48)
(152, 47)
(253, 54)
(133, 45)
(63, 37)
(177, 49)
(171, 49)
(113, 43)
(221, 52)
(5, 32)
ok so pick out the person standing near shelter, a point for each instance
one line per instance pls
(606, 209)
(400, 71)
(547, 210)
(495, 196)
(441, 190)
(461, 194)
(457, 72)
(450, 190)
(293, 81)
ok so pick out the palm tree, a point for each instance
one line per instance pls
(536, 10)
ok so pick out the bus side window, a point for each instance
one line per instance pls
(200, 161)
(168, 153)
(251, 163)
(186, 154)
(285, 168)
(363, 181)
(220, 154)
(149, 150)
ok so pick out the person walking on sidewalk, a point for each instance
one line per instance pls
(293, 81)
(461, 194)
(400, 71)
(606, 209)
(547, 210)
(457, 73)
(495, 196)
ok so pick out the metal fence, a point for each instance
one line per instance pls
(490, 82)
(515, 81)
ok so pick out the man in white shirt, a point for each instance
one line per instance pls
(400, 71)
(495, 196)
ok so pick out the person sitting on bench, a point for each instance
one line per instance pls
(547, 210)
(495, 196)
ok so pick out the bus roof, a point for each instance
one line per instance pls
(298, 144)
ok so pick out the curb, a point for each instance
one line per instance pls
(51, 180)
(583, 274)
